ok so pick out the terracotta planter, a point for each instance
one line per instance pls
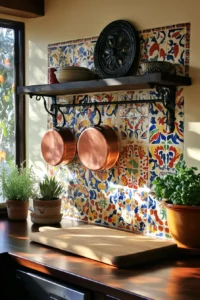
(17, 210)
(46, 207)
(184, 223)
(46, 211)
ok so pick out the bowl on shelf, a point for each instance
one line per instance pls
(72, 73)
(150, 67)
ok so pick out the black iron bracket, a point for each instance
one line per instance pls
(166, 95)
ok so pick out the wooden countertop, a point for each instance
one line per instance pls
(171, 279)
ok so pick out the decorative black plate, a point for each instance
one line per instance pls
(116, 50)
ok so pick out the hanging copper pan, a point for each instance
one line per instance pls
(58, 145)
(98, 147)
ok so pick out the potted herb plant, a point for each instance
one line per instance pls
(180, 193)
(17, 186)
(48, 206)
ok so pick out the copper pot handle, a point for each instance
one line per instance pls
(63, 116)
(99, 113)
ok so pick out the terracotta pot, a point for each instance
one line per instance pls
(47, 207)
(17, 210)
(184, 224)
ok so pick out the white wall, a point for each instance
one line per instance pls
(73, 19)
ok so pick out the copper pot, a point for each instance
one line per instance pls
(98, 147)
(58, 146)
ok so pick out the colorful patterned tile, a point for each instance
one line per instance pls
(141, 125)
(157, 45)
(126, 177)
(156, 218)
(68, 202)
(176, 41)
(95, 212)
(54, 56)
(126, 157)
(179, 100)
(110, 178)
(125, 212)
(80, 55)
(66, 57)
(81, 202)
(174, 155)
(157, 130)
(84, 54)
(110, 217)
(157, 157)
(140, 179)
(139, 207)
(140, 156)
(117, 197)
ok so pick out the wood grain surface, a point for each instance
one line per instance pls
(176, 279)
(110, 246)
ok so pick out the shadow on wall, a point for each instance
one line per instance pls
(192, 120)
(36, 114)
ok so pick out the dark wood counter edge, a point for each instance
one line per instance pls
(72, 278)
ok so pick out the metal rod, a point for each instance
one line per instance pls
(108, 103)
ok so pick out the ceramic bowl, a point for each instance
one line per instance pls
(70, 74)
(150, 67)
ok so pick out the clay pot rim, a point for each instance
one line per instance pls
(17, 201)
(182, 207)
(46, 201)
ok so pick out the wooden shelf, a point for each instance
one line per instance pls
(106, 85)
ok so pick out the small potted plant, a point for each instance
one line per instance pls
(17, 186)
(47, 207)
(180, 193)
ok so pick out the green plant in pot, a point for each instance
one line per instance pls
(47, 207)
(17, 186)
(180, 193)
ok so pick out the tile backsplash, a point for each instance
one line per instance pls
(120, 197)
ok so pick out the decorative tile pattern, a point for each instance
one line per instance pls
(120, 197)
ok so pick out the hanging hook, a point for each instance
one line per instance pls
(63, 116)
(97, 110)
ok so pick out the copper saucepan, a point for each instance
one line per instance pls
(58, 146)
(98, 147)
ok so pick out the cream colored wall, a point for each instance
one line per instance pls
(73, 19)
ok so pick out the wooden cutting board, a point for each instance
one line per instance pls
(110, 246)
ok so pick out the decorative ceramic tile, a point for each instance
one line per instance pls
(157, 157)
(95, 212)
(68, 202)
(140, 156)
(139, 207)
(125, 210)
(140, 132)
(126, 177)
(156, 218)
(126, 157)
(176, 45)
(174, 155)
(118, 197)
(54, 56)
(66, 57)
(84, 54)
(157, 130)
(81, 202)
(157, 45)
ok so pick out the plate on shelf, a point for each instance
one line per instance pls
(117, 50)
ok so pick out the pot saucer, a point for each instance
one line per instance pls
(46, 220)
